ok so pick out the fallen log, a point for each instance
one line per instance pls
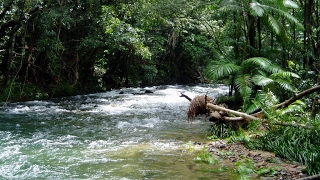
(237, 113)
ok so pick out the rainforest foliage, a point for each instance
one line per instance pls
(58, 48)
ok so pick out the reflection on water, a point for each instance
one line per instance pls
(104, 136)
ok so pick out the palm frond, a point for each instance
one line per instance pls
(294, 107)
(244, 85)
(257, 61)
(290, 4)
(284, 75)
(262, 63)
(273, 23)
(228, 2)
(222, 69)
(286, 85)
(230, 8)
(261, 80)
(257, 102)
(288, 16)
(256, 9)
(253, 107)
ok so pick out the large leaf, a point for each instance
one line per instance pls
(256, 9)
(275, 26)
(262, 63)
(290, 4)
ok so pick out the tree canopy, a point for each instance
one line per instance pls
(58, 48)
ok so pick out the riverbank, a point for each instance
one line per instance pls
(254, 164)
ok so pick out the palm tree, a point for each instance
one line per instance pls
(272, 12)
(244, 69)
(252, 74)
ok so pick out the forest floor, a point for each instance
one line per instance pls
(236, 152)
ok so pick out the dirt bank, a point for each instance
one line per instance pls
(236, 152)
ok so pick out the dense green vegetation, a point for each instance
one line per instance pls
(58, 48)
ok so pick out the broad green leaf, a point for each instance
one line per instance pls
(256, 9)
(274, 25)
(290, 4)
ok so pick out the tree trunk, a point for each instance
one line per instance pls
(7, 60)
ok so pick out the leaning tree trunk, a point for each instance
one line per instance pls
(240, 116)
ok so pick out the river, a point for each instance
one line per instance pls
(105, 136)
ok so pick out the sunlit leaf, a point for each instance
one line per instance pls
(274, 24)
(284, 75)
(290, 4)
(256, 9)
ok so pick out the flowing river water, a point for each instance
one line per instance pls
(105, 136)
